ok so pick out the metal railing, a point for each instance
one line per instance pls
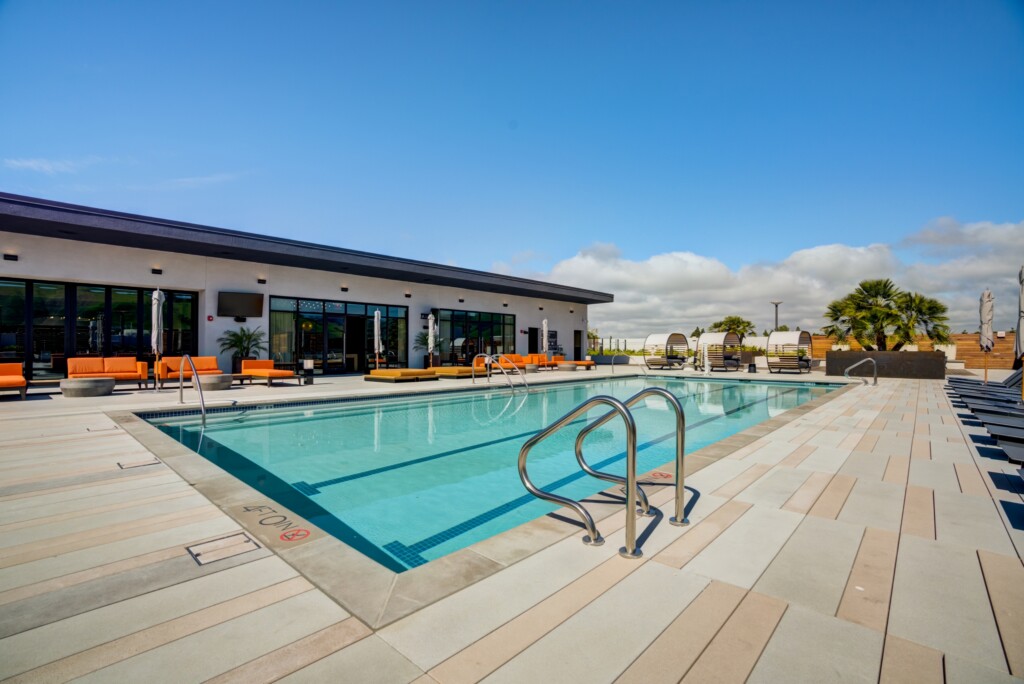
(493, 360)
(593, 537)
(680, 508)
(195, 383)
(846, 373)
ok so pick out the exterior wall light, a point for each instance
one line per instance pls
(461, 300)
(540, 308)
(261, 281)
(344, 288)
(10, 257)
(408, 295)
(156, 271)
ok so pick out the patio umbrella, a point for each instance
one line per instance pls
(377, 346)
(431, 338)
(544, 337)
(156, 334)
(986, 313)
(1018, 342)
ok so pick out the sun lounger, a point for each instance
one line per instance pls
(455, 372)
(401, 375)
(1012, 380)
(1000, 419)
(264, 368)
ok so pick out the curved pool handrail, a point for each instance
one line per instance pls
(846, 373)
(195, 382)
(680, 510)
(594, 536)
(489, 362)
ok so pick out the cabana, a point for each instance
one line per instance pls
(719, 350)
(665, 350)
(789, 350)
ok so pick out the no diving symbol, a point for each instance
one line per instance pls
(294, 535)
(658, 475)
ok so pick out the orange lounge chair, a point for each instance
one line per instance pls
(401, 375)
(117, 367)
(264, 368)
(167, 368)
(11, 378)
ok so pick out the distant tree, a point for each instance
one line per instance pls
(697, 332)
(764, 333)
(784, 328)
(734, 324)
(878, 312)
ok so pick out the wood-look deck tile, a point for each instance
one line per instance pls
(1004, 579)
(742, 481)
(869, 588)
(919, 512)
(696, 539)
(831, 501)
(897, 470)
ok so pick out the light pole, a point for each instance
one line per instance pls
(776, 314)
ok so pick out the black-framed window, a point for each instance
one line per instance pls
(337, 336)
(464, 334)
(60, 320)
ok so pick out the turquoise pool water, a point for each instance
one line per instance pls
(407, 480)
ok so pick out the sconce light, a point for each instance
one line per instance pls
(156, 271)
(344, 288)
(540, 308)
(408, 295)
(261, 281)
(461, 300)
(505, 304)
(572, 310)
(10, 257)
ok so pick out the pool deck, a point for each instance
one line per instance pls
(873, 536)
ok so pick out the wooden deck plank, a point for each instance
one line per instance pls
(868, 590)
(1004, 579)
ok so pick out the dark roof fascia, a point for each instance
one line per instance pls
(33, 216)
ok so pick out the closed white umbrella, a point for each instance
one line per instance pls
(986, 312)
(156, 334)
(544, 337)
(431, 338)
(378, 348)
(1018, 342)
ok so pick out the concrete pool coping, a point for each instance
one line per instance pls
(375, 594)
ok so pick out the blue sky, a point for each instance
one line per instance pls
(523, 137)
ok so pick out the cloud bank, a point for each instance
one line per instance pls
(947, 260)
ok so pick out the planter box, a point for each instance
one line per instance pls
(901, 364)
(606, 359)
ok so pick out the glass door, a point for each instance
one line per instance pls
(309, 332)
(336, 361)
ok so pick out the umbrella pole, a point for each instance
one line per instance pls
(986, 368)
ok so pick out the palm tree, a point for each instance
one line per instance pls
(734, 324)
(244, 342)
(878, 309)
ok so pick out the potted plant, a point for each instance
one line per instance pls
(244, 343)
(420, 343)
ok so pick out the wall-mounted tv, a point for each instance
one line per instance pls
(240, 304)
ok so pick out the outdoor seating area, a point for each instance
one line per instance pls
(996, 406)
(170, 368)
(788, 351)
(264, 368)
(718, 351)
(117, 368)
(666, 350)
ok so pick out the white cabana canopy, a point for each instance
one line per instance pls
(796, 338)
(659, 347)
(725, 339)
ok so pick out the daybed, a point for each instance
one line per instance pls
(789, 350)
(454, 372)
(264, 368)
(586, 365)
(11, 378)
(167, 367)
(116, 367)
(401, 375)
(719, 349)
(665, 350)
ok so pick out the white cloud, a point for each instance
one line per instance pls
(683, 290)
(51, 167)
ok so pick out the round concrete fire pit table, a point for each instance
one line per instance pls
(86, 387)
(216, 383)
(567, 366)
(532, 368)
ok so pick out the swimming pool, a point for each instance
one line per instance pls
(406, 480)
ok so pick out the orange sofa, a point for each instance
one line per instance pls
(11, 378)
(540, 360)
(117, 367)
(587, 365)
(506, 361)
(167, 367)
(264, 368)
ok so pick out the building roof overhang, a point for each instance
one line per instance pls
(46, 218)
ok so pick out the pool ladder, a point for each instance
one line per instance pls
(846, 373)
(633, 492)
(493, 360)
(195, 383)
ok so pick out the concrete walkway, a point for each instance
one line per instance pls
(872, 538)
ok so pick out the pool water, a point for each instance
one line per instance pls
(410, 479)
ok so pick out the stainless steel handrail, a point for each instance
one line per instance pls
(195, 383)
(594, 537)
(491, 358)
(846, 373)
(518, 370)
(680, 517)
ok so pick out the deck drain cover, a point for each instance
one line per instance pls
(225, 547)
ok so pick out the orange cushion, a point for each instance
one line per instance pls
(10, 369)
(253, 364)
(120, 364)
(85, 365)
(11, 381)
(205, 363)
(270, 373)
